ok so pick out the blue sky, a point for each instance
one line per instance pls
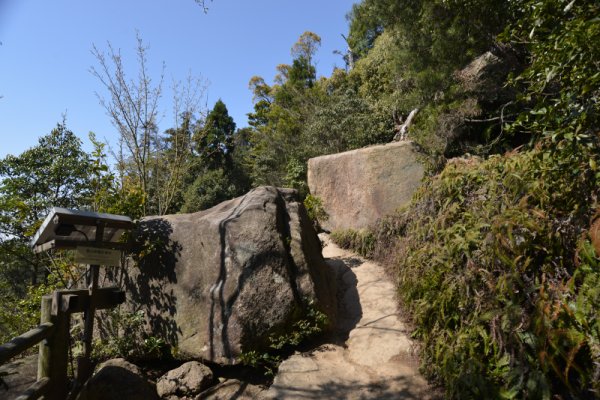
(45, 54)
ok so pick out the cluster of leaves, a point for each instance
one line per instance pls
(313, 323)
(406, 56)
(55, 172)
(215, 173)
(361, 241)
(21, 313)
(123, 335)
(563, 77)
(315, 210)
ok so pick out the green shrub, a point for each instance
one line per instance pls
(361, 241)
(18, 315)
(315, 210)
(123, 335)
(268, 361)
(209, 189)
(494, 266)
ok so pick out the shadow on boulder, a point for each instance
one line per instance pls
(156, 255)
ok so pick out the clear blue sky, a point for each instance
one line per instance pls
(45, 54)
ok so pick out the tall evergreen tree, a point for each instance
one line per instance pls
(216, 174)
(214, 142)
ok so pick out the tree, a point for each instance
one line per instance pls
(132, 106)
(306, 47)
(278, 152)
(365, 27)
(216, 174)
(145, 157)
(56, 172)
(303, 52)
(210, 188)
(214, 141)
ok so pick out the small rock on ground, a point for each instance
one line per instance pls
(187, 381)
(232, 389)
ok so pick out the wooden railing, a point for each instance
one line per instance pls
(53, 337)
(53, 333)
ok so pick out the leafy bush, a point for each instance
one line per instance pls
(209, 189)
(493, 257)
(494, 266)
(311, 325)
(361, 241)
(123, 335)
(315, 210)
(20, 314)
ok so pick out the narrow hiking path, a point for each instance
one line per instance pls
(370, 356)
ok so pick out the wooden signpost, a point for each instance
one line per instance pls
(96, 239)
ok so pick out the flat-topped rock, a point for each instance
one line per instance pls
(360, 186)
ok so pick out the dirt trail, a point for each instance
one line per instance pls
(373, 357)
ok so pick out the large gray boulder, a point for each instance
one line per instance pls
(117, 379)
(219, 282)
(357, 187)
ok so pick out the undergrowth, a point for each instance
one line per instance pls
(361, 241)
(494, 262)
(282, 344)
(123, 335)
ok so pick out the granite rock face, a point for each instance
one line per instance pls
(357, 187)
(219, 282)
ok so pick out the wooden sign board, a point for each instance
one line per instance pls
(97, 256)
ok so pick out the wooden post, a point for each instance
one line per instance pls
(54, 352)
(84, 364)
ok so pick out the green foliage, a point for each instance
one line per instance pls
(107, 193)
(437, 33)
(123, 335)
(343, 121)
(311, 325)
(300, 117)
(562, 82)
(492, 258)
(365, 27)
(21, 313)
(562, 79)
(361, 241)
(315, 210)
(214, 142)
(408, 55)
(55, 172)
(485, 260)
(209, 189)
(216, 172)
